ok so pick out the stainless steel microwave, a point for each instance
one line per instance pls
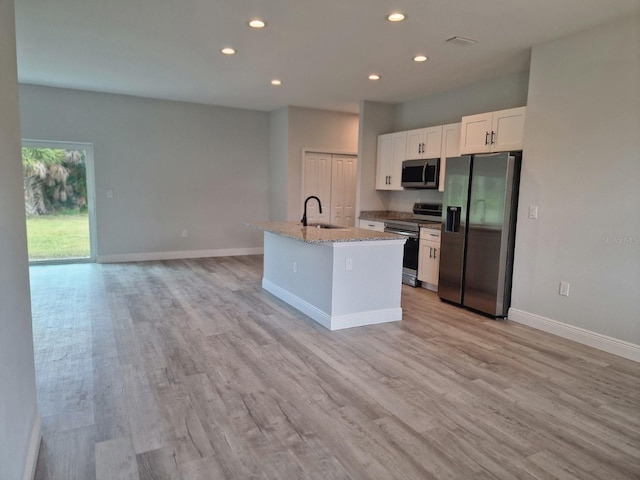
(423, 173)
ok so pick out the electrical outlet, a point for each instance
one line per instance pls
(348, 264)
(185, 233)
(533, 212)
(564, 289)
(110, 193)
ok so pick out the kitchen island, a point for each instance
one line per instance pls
(340, 277)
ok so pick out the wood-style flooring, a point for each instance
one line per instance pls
(188, 370)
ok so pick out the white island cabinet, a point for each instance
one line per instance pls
(341, 278)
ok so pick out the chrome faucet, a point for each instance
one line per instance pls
(304, 216)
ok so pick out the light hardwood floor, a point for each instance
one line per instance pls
(189, 370)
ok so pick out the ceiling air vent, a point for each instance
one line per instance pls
(461, 40)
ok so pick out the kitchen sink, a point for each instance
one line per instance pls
(324, 225)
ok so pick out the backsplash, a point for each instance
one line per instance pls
(403, 201)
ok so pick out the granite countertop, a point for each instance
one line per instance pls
(310, 234)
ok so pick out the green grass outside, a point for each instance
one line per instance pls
(54, 237)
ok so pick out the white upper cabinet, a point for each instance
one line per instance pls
(493, 131)
(450, 148)
(424, 143)
(391, 153)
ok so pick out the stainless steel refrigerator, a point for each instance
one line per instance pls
(479, 216)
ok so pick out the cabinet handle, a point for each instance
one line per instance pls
(434, 252)
(430, 252)
(486, 139)
(492, 135)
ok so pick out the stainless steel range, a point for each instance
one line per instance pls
(409, 226)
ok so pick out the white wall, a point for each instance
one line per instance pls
(450, 107)
(319, 130)
(173, 166)
(375, 119)
(19, 420)
(278, 164)
(582, 169)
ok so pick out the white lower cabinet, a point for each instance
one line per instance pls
(372, 225)
(429, 258)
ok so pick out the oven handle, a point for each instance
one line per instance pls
(402, 232)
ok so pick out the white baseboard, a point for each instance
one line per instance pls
(176, 255)
(333, 322)
(586, 337)
(34, 448)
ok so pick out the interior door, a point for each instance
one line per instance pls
(343, 190)
(332, 178)
(317, 181)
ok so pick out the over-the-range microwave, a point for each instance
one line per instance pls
(423, 173)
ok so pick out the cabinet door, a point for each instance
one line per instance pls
(398, 148)
(432, 142)
(343, 190)
(475, 133)
(428, 269)
(424, 259)
(415, 141)
(435, 262)
(385, 162)
(508, 129)
(450, 148)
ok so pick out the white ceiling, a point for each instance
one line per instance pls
(322, 50)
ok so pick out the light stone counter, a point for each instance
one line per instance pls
(311, 234)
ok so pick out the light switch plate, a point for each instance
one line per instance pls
(533, 211)
(564, 289)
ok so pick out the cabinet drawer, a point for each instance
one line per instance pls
(371, 225)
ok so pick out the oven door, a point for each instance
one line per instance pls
(410, 257)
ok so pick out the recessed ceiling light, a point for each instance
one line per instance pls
(276, 82)
(257, 23)
(228, 51)
(374, 76)
(396, 17)
(420, 58)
